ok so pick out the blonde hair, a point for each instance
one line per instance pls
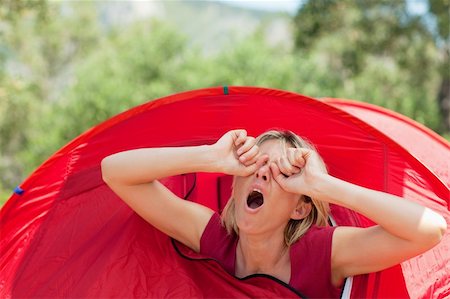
(295, 228)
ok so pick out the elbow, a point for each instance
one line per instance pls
(441, 229)
(106, 167)
(436, 232)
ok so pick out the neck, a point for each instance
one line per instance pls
(262, 254)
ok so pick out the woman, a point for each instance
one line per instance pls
(275, 222)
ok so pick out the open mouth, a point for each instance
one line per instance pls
(255, 199)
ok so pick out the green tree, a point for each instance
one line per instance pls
(149, 59)
(37, 53)
(16, 93)
(381, 52)
(142, 61)
(441, 11)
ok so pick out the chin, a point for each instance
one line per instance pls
(248, 224)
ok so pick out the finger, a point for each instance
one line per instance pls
(312, 159)
(305, 153)
(285, 167)
(296, 159)
(250, 156)
(240, 136)
(249, 142)
(277, 174)
(260, 162)
(257, 159)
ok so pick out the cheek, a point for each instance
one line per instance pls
(238, 188)
(286, 201)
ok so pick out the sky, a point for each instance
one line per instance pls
(291, 6)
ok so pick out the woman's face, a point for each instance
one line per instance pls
(261, 205)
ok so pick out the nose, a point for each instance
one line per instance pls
(263, 171)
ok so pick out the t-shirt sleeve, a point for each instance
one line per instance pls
(217, 244)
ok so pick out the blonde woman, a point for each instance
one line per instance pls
(276, 220)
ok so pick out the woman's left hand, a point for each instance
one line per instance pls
(296, 169)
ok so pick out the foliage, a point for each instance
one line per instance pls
(441, 8)
(37, 53)
(382, 53)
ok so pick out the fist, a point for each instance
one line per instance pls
(295, 170)
(237, 153)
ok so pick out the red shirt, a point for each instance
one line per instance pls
(310, 257)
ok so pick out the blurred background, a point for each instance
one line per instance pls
(66, 66)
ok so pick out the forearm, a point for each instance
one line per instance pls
(399, 217)
(146, 165)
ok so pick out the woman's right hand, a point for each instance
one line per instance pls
(236, 153)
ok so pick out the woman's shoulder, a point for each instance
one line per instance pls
(316, 236)
(315, 244)
(316, 231)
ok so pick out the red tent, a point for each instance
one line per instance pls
(65, 234)
(425, 145)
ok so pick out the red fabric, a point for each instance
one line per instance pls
(68, 235)
(219, 245)
(425, 145)
(311, 264)
(310, 257)
(433, 152)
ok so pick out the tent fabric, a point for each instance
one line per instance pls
(424, 144)
(69, 235)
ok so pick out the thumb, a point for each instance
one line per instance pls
(277, 175)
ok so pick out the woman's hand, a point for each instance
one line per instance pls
(295, 171)
(236, 153)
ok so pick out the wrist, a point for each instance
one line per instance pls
(333, 190)
(212, 161)
(318, 184)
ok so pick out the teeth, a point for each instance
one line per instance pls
(257, 190)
